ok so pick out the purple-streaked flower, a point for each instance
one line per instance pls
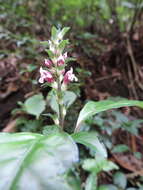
(69, 76)
(48, 63)
(61, 59)
(45, 76)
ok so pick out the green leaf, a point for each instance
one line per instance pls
(27, 125)
(51, 129)
(108, 165)
(91, 182)
(120, 180)
(132, 126)
(35, 105)
(54, 32)
(69, 98)
(90, 140)
(103, 187)
(70, 59)
(50, 53)
(45, 43)
(63, 32)
(98, 164)
(138, 155)
(120, 148)
(141, 187)
(73, 180)
(52, 101)
(111, 187)
(91, 108)
(33, 161)
(63, 43)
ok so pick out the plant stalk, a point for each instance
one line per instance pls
(60, 102)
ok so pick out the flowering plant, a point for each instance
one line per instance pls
(47, 161)
(55, 73)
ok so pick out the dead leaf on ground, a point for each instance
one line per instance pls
(129, 162)
(10, 127)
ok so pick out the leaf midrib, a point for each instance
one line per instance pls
(19, 169)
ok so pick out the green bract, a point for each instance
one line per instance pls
(68, 99)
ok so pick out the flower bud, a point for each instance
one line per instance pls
(48, 63)
(61, 59)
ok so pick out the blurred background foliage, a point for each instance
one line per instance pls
(97, 26)
(79, 14)
(94, 24)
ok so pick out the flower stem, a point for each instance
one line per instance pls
(60, 103)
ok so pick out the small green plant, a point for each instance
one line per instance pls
(119, 183)
(51, 161)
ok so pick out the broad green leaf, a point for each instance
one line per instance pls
(120, 180)
(120, 148)
(91, 108)
(33, 161)
(35, 105)
(90, 140)
(91, 182)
